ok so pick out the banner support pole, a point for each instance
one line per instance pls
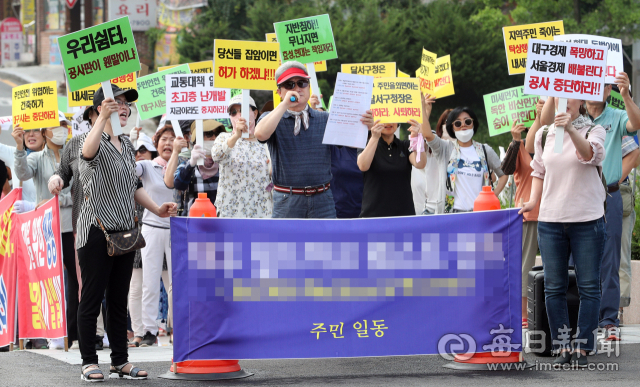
(200, 138)
(315, 89)
(115, 119)
(562, 108)
(246, 110)
(178, 131)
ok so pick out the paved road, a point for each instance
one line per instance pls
(21, 368)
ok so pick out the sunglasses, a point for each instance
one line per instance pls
(290, 85)
(142, 150)
(467, 122)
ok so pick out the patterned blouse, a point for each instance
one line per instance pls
(244, 178)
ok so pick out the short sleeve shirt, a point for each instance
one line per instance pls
(614, 122)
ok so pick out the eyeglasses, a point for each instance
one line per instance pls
(467, 122)
(142, 150)
(123, 103)
(209, 134)
(290, 85)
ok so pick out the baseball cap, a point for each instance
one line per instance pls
(289, 70)
(144, 140)
(130, 95)
(237, 100)
(62, 118)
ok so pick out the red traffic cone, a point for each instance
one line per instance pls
(205, 370)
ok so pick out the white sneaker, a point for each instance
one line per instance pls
(56, 343)
(75, 345)
(105, 340)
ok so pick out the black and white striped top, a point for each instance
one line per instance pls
(109, 182)
(68, 169)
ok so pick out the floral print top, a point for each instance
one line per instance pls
(245, 178)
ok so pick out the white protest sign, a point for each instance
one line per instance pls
(78, 124)
(565, 70)
(615, 62)
(351, 99)
(193, 97)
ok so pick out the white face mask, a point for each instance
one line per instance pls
(464, 135)
(59, 135)
(206, 146)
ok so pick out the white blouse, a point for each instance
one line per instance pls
(245, 174)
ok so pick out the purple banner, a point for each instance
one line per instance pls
(295, 288)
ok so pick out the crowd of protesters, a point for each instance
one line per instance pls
(275, 165)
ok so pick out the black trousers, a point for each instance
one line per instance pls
(69, 259)
(101, 272)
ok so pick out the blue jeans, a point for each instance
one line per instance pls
(586, 241)
(319, 206)
(610, 269)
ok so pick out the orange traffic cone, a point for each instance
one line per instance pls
(205, 370)
(478, 361)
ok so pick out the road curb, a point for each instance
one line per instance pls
(21, 78)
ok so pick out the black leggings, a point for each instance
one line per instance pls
(101, 272)
(69, 259)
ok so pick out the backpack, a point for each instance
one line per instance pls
(545, 131)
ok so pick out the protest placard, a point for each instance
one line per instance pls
(396, 100)
(84, 96)
(100, 53)
(376, 70)
(35, 105)
(442, 79)
(320, 66)
(615, 62)
(566, 70)
(426, 72)
(41, 300)
(616, 101)
(352, 99)
(195, 67)
(306, 40)
(402, 74)
(151, 92)
(245, 65)
(505, 106)
(516, 40)
(193, 97)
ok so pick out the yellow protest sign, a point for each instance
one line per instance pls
(319, 66)
(245, 65)
(402, 75)
(426, 72)
(195, 67)
(84, 97)
(396, 100)
(376, 70)
(516, 41)
(443, 82)
(35, 105)
(276, 98)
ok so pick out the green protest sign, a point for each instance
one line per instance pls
(306, 40)
(151, 92)
(505, 106)
(99, 53)
(616, 101)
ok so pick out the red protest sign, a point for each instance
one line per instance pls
(41, 305)
(8, 270)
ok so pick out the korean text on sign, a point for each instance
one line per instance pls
(141, 13)
(442, 79)
(396, 100)
(376, 70)
(566, 70)
(99, 53)
(361, 329)
(306, 40)
(614, 57)
(319, 66)
(195, 67)
(516, 39)
(245, 65)
(151, 92)
(193, 97)
(426, 72)
(84, 96)
(505, 106)
(35, 105)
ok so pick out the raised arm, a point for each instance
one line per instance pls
(268, 124)
(92, 142)
(365, 158)
(427, 105)
(172, 165)
(537, 124)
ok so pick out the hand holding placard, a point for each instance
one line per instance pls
(562, 108)
(115, 119)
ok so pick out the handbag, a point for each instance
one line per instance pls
(508, 165)
(119, 243)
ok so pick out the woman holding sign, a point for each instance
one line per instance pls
(469, 164)
(244, 189)
(570, 221)
(386, 163)
(111, 187)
